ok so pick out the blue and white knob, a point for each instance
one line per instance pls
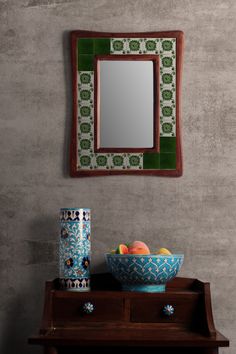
(88, 307)
(168, 310)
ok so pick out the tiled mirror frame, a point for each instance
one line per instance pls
(84, 161)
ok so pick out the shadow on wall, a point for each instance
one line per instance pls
(17, 328)
(69, 101)
(99, 268)
(37, 262)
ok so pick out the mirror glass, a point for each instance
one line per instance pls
(126, 104)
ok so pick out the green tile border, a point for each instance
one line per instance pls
(85, 46)
(167, 144)
(151, 161)
(85, 62)
(95, 46)
(102, 46)
(167, 161)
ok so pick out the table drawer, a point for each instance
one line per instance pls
(152, 309)
(70, 309)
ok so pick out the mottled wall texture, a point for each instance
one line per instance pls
(193, 214)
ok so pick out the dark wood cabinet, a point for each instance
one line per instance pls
(118, 319)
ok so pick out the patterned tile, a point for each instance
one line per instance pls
(167, 86)
(151, 46)
(134, 161)
(117, 161)
(85, 79)
(135, 46)
(84, 161)
(119, 46)
(101, 161)
(167, 45)
(85, 118)
(167, 129)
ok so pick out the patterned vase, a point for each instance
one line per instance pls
(74, 249)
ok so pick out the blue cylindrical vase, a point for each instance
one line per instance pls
(74, 249)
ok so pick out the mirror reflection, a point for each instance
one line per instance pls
(126, 104)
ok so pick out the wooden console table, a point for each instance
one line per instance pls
(107, 318)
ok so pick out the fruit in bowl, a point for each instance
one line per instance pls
(138, 247)
(140, 270)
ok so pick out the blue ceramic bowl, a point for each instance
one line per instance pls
(144, 273)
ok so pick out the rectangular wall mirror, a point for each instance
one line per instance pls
(126, 104)
(126, 111)
(126, 94)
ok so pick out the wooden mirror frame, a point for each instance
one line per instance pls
(86, 157)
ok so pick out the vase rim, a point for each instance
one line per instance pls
(62, 209)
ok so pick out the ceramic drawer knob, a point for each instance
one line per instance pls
(168, 310)
(88, 307)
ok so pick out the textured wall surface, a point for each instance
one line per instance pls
(194, 214)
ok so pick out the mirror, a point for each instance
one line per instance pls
(126, 103)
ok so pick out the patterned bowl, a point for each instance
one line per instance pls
(144, 273)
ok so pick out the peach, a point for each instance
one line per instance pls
(139, 244)
(138, 250)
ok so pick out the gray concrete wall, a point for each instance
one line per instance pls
(194, 214)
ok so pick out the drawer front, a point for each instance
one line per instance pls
(153, 309)
(70, 309)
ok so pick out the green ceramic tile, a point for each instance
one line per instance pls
(102, 46)
(167, 144)
(151, 161)
(85, 46)
(167, 161)
(85, 62)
